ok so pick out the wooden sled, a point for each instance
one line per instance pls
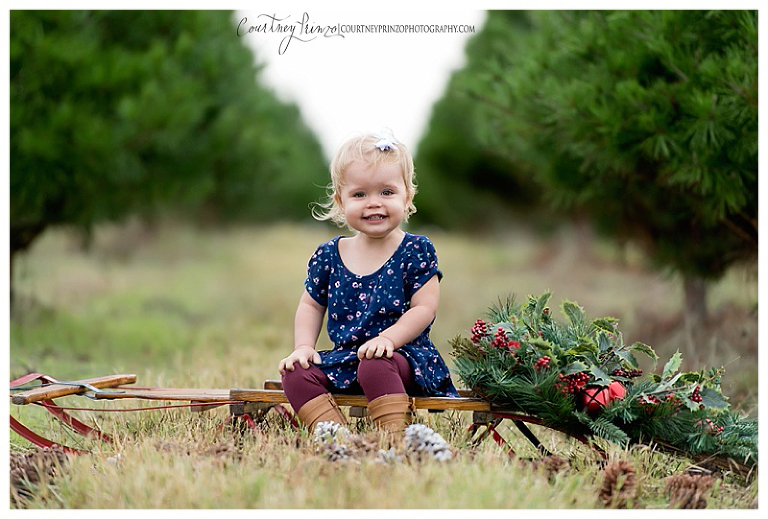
(248, 407)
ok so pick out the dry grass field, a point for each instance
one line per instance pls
(214, 308)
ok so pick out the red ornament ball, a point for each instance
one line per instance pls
(594, 398)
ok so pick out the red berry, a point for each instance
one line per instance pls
(572, 383)
(542, 362)
(479, 331)
(500, 340)
(653, 399)
(621, 372)
(696, 395)
(713, 429)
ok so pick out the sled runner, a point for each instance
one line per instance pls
(248, 407)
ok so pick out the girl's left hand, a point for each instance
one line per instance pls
(376, 347)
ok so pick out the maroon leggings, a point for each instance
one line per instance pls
(376, 377)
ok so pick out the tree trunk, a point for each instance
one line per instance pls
(21, 238)
(585, 236)
(695, 291)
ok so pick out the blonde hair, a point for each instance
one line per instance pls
(368, 149)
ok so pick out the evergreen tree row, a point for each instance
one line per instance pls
(115, 113)
(646, 121)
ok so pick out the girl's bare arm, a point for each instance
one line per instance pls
(307, 325)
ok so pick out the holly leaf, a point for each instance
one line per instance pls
(541, 346)
(691, 376)
(604, 342)
(584, 346)
(604, 323)
(712, 398)
(542, 302)
(574, 367)
(672, 365)
(575, 314)
(601, 377)
(668, 384)
(628, 357)
(644, 348)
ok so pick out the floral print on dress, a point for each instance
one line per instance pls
(387, 297)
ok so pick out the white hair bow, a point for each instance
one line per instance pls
(384, 142)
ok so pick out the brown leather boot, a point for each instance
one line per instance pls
(391, 412)
(322, 408)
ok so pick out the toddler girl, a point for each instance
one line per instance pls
(380, 290)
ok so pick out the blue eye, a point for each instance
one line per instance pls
(387, 192)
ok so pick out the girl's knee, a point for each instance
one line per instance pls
(380, 377)
(300, 377)
(374, 366)
(301, 385)
(374, 371)
(287, 377)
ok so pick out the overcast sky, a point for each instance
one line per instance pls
(357, 82)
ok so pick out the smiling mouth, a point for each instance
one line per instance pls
(374, 217)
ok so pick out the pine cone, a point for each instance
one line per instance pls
(619, 485)
(552, 464)
(224, 450)
(385, 456)
(686, 491)
(29, 468)
(336, 451)
(364, 445)
(173, 448)
(421, 441)
(329, 431)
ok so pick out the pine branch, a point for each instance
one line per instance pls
(534, 372)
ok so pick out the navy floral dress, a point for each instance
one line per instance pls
(361, 307)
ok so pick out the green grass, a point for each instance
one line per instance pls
(187, 308)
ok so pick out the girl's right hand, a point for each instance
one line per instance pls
(303, 354)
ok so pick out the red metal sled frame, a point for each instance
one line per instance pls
(68, 420)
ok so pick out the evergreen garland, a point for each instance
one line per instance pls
(581, 378)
